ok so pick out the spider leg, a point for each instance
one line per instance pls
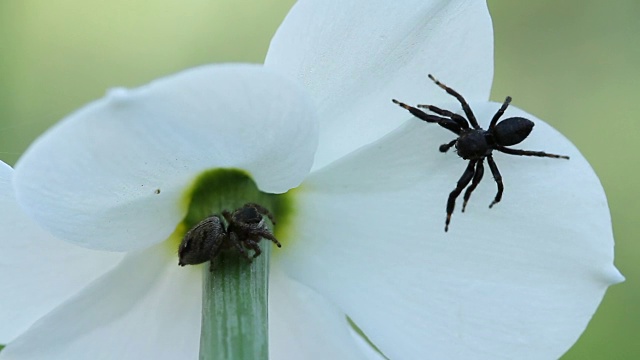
(448, 124)
(253, 245)
(445, 147)
(462, 183)
(499, 113)
(498, 178)
(262, 210)
(460, 120)
(463, 102)
(477, 177)
(268, 235)
(529, 153)
(233, 238)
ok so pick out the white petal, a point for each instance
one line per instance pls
(114, 174)
(303, 325)
(519, 281)
(146, 308)
(37, 271)
(355, 56)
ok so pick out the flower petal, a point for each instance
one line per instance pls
(37, 271)
(146, 308)
(114, 174)
(355, 56)
(303, 325)
(519, 281)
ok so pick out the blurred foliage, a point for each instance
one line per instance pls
(572, 63)
(58, 55)
(576, 64)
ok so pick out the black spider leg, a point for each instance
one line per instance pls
(445, 147)
(233, 239)
(256, 236)
(459, 119)
(262, 210)
(463, 102)
(253, 244)
(462, 183)
(265, 233)
(448, 124)
(509, 151)
(498, 178)
(499, 113)
(477, 177)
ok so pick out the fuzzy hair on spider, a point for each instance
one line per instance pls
(244, 229)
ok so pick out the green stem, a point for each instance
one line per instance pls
(234, 304)
(234, 308)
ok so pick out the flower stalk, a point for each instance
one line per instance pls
(234, 308)
(235, 290)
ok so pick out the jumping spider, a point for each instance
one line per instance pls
(476, 144)
(245, 228)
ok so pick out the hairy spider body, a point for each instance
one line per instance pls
(244, 229)
(476, 144)
(473, 145)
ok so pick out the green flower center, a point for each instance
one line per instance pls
(219, 189)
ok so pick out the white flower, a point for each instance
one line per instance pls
(37, 271)
(365, 240)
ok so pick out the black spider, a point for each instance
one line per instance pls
(475, 144)
(245, 228)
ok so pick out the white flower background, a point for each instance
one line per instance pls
(451, 169)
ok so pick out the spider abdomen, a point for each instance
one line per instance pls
(473, 145)
(200, 241)
(512, 131)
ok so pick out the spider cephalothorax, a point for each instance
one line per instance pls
(243, 230)
(476, 144)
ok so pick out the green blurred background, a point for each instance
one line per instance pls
(573, 63)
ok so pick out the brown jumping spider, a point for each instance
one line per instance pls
(245, 228)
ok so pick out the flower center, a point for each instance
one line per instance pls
(217, 190)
